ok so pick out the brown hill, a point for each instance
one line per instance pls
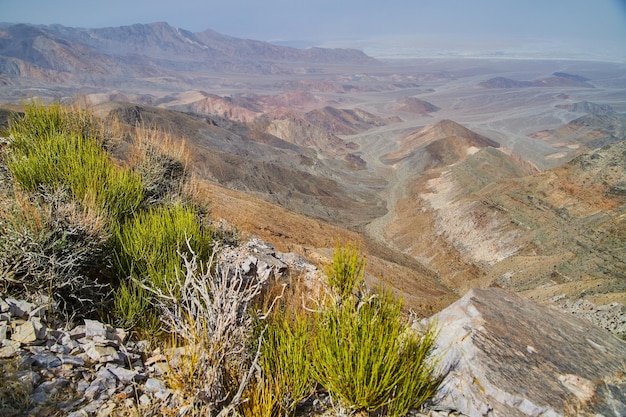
(200, 102)
(445, 142)
(344, 121)
(246, 157)
(588, 107)
(583, 134)
(296, 128)
(415, 105)
(283, 193)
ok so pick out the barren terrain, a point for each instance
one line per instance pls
(453, 173)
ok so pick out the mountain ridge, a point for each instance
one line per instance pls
(149, 50)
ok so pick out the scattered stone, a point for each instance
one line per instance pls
(145, 400)
(93, 391)
(48, 360)
(28, 380)
(9, 349)
(94, 329)
(40, 328)
(25, 333)
(57, 348)
(19, 308)
(4, 306)
(125, 376)
(71, 360)
(154, 385)
(102, 354)
(40, 311)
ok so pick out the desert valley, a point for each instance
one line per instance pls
(452, 173)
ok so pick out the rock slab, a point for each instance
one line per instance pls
(510, 357)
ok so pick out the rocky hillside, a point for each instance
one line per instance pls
(286, 172)
(512, 357)
(585, 133)
(558, 233)
(588, 107)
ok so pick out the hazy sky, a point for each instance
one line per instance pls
(375, 25)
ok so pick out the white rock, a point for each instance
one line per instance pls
(19, 308)
(124, 375)
(25, 333)
(485, 337)
(153, 385)
(94, 328)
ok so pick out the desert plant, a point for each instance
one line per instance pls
(162, 161)
(285, 358)
(366, 357)
(147, 248)
(261, 399)
(149, 242)
(421, 381)
(207, 308)
(51, 246)
(81, 166)
(39, 121)
(345, 273)
(362, 350)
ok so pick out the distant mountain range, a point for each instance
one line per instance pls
(97, 56)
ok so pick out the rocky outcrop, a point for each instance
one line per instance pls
(512, 357)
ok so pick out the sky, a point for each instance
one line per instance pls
(391, 27)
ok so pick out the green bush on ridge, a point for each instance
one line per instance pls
(357, 346)
(148, 247)
(366, 356)
(285, 358)
(347, 270)
(54, 150)
(364, 352)
(39, 121)
(83, 167)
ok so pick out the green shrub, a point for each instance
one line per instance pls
(133, 309)
(39, 121)
(147, 250)
(81, 166)
(365, 355)
(363, 351)
(345, 274)
(285, 358)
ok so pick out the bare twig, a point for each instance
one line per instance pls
(207, 306)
